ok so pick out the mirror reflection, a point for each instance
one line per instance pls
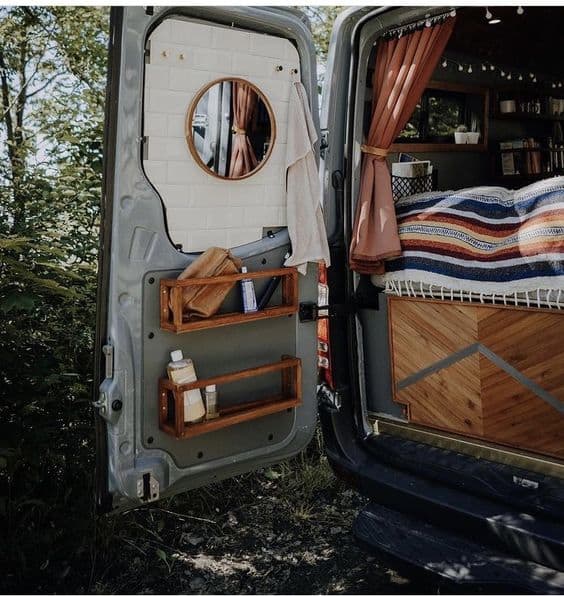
(230, 128)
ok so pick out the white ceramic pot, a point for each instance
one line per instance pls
(507, 107)
(460, 138)
(472, 137)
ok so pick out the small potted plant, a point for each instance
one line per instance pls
(460, 134)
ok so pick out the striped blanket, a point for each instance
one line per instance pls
(484, 240)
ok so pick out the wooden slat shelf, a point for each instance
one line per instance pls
(527, 116)
(171, 411)
(173, 319)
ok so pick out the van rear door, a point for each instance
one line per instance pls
(167, 198)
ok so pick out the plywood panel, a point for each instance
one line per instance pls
(514, 415)
(491, 372)
(413, 324)
(448, 399)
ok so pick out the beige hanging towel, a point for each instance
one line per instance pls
(303, 190)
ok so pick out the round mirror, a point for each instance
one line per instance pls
(230, 128)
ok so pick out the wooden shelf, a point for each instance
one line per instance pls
(537, 176)
(173, 319)
(526, 116)
(436, 147)
(171, 399)
(529, 149)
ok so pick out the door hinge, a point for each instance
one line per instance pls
(324, 143)
(311, 311)
(328, 398)
(103, 402)
(108, 351)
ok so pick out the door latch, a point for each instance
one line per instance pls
(311, 311)
(148, 488)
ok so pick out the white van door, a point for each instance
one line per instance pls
(196, 129)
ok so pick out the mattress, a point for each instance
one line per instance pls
(482, 243)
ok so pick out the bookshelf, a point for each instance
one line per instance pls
(531, 146)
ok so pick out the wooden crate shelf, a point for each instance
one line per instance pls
(171, 399)
(171, 310)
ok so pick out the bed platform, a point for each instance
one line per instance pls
(494, 373)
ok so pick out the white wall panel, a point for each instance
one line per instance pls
(202, 210)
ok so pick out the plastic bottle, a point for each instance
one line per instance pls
(248, 294)
(181, 370)
(211, 402)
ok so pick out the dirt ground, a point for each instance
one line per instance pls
(286, 529)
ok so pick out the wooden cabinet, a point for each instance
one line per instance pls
(490, 372)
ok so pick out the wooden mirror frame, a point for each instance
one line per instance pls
(444, 147)
(190, 118)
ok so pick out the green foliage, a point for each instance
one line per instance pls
(322, 19)
(52, 80)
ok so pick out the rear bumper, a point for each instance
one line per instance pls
(408, 543)
(489, 522)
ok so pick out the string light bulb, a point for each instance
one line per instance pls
(460, 67)
(502, 73)
(453, 12)
(509, 77)
(470, 69)
(428, 20)
(483, 67)
(520, 77)
(520, 10)
(560, 84)
(445, 63)
(492, 67)
(534, 79)
(488, 14)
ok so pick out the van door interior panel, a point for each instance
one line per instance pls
(211, 368)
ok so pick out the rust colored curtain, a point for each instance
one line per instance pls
(243, 158)
(403, 69)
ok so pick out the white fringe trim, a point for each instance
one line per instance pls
(539, 298)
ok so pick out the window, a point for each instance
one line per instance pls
(442, 109)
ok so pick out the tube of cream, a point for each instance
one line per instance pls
(248, 294)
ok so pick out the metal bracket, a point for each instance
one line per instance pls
(108, 351)
(101, 403)
(309, 311)
(148, 488)
(329, 398)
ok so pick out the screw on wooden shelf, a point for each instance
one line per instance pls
(181, 57)
(164, 53)
(279, 68)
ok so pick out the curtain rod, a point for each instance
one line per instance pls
(427, 21)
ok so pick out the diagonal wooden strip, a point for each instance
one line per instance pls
(519, 376)
(444, 363)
